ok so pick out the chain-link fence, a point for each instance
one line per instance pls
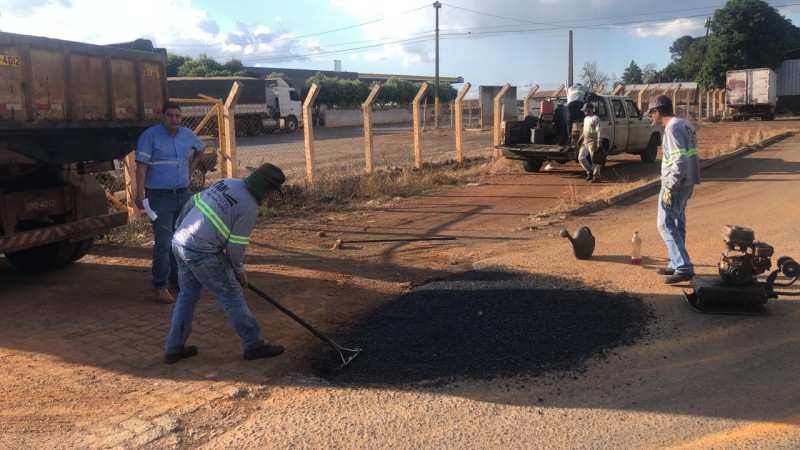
(204, 117)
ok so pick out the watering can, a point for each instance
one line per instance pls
(582, 242)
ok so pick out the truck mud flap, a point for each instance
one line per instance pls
(74, 231)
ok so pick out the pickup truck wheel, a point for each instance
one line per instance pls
(42, 258)
(197, 180)
(651, 151)
(291, 124)
(531, 166)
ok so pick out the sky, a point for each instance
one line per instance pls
(519, 42)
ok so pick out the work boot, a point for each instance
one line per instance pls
(678, 277)
(185, 352)
(666, 271)
(263, 350)
(163, 296)
(595, 179)
(589, 176)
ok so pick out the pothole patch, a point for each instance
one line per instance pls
(490, 323)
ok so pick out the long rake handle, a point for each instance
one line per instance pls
(361, 241)
(294, 316)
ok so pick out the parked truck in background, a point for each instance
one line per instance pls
(546, 137)
(752, 93)
(264, 106)
(67, 110)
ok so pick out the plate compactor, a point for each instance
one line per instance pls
(738, 290)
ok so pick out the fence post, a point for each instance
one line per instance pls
(460, 122)
(558, 90)
(130, 187)
(526, 103)
(617, 88)
(497, 112)
(417, 127)
(367, 106)
(308, 132)
(640, 100)
(230, 164)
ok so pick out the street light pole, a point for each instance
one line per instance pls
(436, 6)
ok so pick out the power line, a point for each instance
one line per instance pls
(460, 33)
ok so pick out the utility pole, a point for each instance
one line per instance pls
(702, 63)
(569, 69)
(436, 6)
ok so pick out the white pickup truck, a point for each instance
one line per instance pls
(545, 138)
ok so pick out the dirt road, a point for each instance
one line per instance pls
(81, 348)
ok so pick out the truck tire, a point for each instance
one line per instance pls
(81, 249)
(291, 124)
(42, 258)
(531, 166)
(651, 151)
(240, 128)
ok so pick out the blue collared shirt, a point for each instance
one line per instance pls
(167, 157)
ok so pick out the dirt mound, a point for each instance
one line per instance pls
(487, 324)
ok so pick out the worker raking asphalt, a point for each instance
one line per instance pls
(491, 323)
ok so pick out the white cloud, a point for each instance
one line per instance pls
(673, 28)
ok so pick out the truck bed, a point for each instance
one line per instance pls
(63, 101)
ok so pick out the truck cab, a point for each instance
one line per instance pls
(287, 103)
(545, 138)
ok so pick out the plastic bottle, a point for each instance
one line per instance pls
(636, 249)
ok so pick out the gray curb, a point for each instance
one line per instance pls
(656, 183)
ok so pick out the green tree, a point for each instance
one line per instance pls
(203, 66)
(174, 62)
(745, 34)
(632, 75)
(282, 76)
(687, 57)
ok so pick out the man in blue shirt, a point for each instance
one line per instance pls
(165, 156)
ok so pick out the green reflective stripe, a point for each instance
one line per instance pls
(212, 216)
(677, 154)
(241, 240)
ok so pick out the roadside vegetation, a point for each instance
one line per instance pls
(352, 188)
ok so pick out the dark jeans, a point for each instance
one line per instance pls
(167, 205)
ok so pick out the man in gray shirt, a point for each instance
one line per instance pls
(209, 243)
(680, 171)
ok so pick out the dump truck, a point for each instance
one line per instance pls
(264, 106)
(751, 93)
(548, 137)
(68, 110)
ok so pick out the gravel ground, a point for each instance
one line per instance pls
(490, 323)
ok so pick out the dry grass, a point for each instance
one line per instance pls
(353, 188)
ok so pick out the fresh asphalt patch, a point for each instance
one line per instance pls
(486, 324)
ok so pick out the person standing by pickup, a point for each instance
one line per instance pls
(590, 144)
(576, 98)
(680, 171)
(165, 156)
(212, 235)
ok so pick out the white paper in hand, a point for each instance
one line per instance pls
(150, 212)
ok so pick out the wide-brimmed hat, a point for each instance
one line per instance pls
(272, 173)
(587, 107)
